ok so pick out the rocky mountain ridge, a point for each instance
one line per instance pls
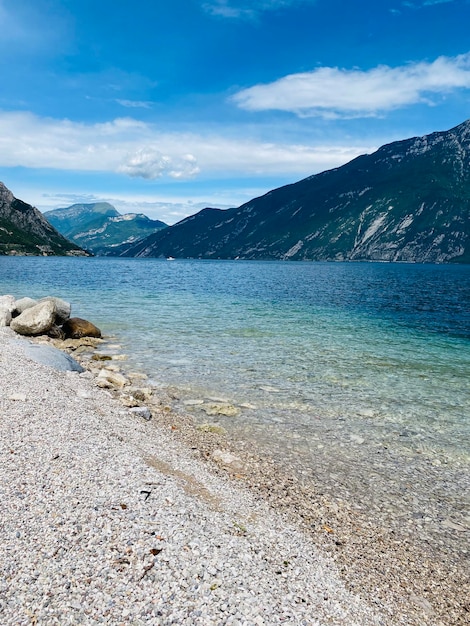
(100, 228)
(408, 201)
(24, 230)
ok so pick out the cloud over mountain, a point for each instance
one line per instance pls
(142, 150)
(332, 92)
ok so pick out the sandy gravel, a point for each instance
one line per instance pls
(109, 518)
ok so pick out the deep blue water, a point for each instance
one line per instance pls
(323, 361)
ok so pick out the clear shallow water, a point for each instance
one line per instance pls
(336, 367)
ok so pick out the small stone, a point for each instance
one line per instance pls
(129, 401)
(84, 394)
(357, 439)
(113, 379)
(137, 376)
(142, 411)
(422, 603)
(18, 397)
(227, 458)
(143, 393)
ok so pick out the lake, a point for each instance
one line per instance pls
(355, 375)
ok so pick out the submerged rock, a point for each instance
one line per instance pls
(220, 409)
(215, 429)
(75, 344)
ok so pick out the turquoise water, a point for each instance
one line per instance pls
(345, 370)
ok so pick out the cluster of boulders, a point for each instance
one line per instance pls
(47, 321)
(48, 316)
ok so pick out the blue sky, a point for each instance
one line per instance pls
(165, 107)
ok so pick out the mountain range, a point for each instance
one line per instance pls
(100, 228)
(408, 201)
(24, 231)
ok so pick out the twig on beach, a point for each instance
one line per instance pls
(147, 568)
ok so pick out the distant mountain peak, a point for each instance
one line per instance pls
(99, 227)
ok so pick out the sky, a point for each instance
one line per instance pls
(167, 107)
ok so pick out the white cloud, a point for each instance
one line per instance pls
(331, 92)
(135, 104)
(429, 3)
(138, 149)
(148, 162)
(247, 8)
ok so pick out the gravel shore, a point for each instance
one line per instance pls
(109, 518)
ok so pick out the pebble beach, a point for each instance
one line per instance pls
(111, 517)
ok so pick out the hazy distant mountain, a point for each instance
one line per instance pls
(100, 228)
(24, 230)
(408, 201)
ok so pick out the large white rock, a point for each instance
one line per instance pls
(8, 302)
(62, 309)
(5, 316)
(24, 303)
(35, 321)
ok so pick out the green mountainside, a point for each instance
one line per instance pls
(408, 201)
(100, 228)
(24, 231)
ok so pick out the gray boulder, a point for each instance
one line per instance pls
(62, 309)
(35, 321)
(47, 355)
(22, 304)
(5, 316)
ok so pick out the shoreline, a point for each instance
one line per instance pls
(393, 575)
